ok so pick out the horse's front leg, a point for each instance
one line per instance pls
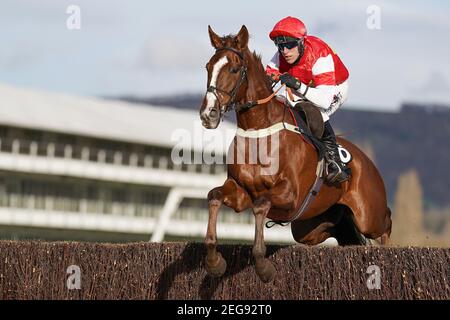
(264, 268)
(215, 264)
(233, 196)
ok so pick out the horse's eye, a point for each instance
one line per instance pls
(234, 70)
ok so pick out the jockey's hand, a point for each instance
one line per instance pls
(271, 79)
(290, 81)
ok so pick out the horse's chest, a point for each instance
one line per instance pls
(253, 181)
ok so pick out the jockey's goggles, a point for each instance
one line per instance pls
(289, 45)
(286, 42)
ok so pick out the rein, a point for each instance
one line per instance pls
(250, 104)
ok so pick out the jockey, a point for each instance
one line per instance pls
(315, 73)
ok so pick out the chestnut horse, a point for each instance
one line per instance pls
(358, 206)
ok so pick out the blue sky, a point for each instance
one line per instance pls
(160, 48)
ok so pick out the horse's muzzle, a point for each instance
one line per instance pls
(210, 120)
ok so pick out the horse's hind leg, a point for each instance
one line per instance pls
(264, 268)
(317, 229)
(214, 263)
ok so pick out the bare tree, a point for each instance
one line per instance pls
(408, 214)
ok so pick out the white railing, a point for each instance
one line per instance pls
(126, 209)
(91, 154)
(133, 225)
(108, 172)
(101, 215)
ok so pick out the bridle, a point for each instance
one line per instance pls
(243, 76)
(233, 105)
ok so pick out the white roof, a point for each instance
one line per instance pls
(107, 119)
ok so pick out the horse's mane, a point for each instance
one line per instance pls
(259, 69)
(255, 60)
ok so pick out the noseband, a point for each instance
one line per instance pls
(243, 75)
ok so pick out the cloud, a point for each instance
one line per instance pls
(156, 48)
(20, 56)
(435, 83)
(170, 52)
(435, 88)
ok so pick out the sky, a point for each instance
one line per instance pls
(396, 51)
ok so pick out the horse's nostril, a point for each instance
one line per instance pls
(213, 113)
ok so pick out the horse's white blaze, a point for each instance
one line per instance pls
(211, 97)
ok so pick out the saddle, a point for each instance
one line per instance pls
(310, 123)
(309, 115)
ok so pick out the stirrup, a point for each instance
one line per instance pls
(337, 177)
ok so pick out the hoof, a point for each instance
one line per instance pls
(265, 271)
(218, 268)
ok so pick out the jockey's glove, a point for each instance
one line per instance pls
(290, 81)
(272, 79)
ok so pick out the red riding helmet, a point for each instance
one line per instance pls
(288, 27)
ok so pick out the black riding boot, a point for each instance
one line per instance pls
(337, 171)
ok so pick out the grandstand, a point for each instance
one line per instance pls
(77, 168)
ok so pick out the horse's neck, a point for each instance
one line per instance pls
(260, 116)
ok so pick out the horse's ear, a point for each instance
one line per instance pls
(242, 38)
(216, 41)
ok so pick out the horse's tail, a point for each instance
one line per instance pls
(389, 212)
(388, 227)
